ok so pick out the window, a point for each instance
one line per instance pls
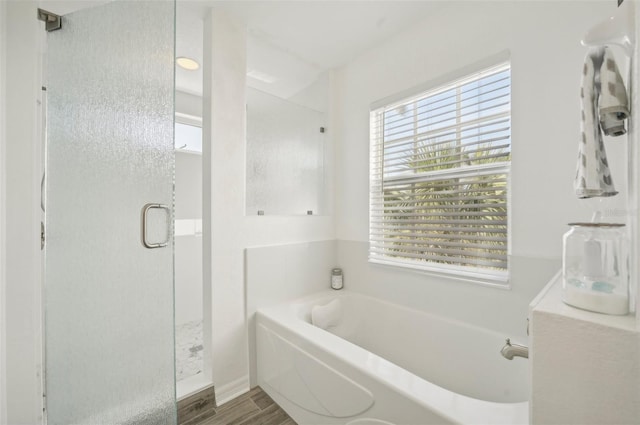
(439, 178)
(188, 138)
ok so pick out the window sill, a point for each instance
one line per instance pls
(497, 282)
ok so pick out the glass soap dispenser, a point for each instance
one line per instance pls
(336, 279)
(594, 268)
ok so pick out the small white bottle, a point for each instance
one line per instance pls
(336, 278)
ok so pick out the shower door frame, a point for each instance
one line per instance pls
(20, 49)
(3, 94)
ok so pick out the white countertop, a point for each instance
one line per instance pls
(549, 301)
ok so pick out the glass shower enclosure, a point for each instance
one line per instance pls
(109, 299)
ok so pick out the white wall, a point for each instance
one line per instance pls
(315, 95)
(189, 104)
(233, 231)
(224, 202)
(278, 273)
(188, 279)
(22, 267)
(188, 186)
(543, 38)
(188, 245)
(546, 59)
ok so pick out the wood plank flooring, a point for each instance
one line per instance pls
(197, 407)
(252, 408)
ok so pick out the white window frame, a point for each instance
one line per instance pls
(491, 277)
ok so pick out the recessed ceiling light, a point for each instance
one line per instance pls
(187, 63)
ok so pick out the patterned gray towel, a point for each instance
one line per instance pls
(614, 104)
(593, 177)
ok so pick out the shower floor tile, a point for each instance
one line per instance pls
(189, 356)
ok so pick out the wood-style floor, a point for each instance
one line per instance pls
(252, 408)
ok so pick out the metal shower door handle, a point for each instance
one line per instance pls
(145, 211)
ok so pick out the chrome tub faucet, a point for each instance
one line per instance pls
(509, 351)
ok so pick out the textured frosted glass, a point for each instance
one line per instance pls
(285, 156)
(108, 300)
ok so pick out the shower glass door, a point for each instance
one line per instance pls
(109, 338)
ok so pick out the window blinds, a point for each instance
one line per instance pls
(439, 178)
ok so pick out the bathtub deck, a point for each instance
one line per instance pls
(252, 408)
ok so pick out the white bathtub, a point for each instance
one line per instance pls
(386, 364)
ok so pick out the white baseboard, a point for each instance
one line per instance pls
(231, 390)
(190, 386)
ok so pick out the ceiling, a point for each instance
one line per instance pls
(291, 43)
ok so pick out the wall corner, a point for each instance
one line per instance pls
(224, 145)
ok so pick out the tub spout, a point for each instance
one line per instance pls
(509, 351)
